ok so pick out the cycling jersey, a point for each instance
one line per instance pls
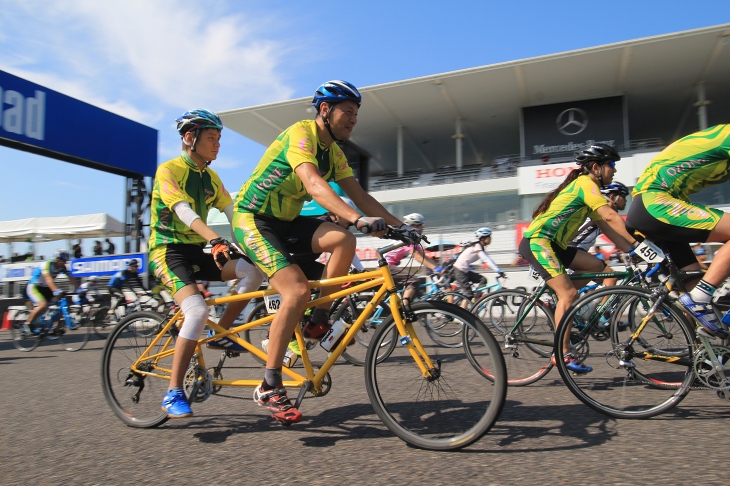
(87, 292)
(396, 256)
(274, 189)
(180, 180)
(471, 254)
(46, 268)
(689, 164)
(568, 211)
(586, 236)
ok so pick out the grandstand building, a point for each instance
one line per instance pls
(482, 146)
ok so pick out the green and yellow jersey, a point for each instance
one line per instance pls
(568, 211)
(180, 180)
(689, 164)
(274, 189)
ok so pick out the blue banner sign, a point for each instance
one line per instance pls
(43, 121)
(106, 265)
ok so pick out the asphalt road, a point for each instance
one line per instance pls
(58, 429)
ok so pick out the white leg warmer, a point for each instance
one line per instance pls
(250, 275)
(196, 315)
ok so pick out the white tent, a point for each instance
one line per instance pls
(99, 225)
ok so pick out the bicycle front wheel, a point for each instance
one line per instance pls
(631, 377)
(449, 406)
(528, 346)
(75, 339)
(23, 341)
(102, 322)
(134, 397)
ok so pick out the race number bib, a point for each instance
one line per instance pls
(649, 252)
(273, 302)
(534, 274)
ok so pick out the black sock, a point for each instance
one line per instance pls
(272, 379)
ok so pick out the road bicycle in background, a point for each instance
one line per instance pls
(68, 325)
(429, 396)
(656, 352)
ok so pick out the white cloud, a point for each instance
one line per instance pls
(140, 58)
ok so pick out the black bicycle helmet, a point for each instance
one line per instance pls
(597, 152)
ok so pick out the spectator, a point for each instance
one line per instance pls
(110, 248)
(98, 249)
(77, 250)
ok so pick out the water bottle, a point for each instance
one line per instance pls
(290, 357)
(334, 335)
(265, 345)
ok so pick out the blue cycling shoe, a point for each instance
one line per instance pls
(704, 314)
(176, 404)
(576, 366)
(224, 344)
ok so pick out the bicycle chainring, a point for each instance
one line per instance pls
(198, 380)
(718, 380)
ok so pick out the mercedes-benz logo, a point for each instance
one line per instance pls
(572, 121)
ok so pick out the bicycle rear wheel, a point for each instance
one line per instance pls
(453, 405)
(638, 379)
(75, 339)
(528, 347)
(134, 397)
(23, 341)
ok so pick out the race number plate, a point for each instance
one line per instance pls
(649, 252)
(534, 274)
(273, 302)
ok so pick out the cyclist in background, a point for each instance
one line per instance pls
(476, 250)
(403, 277)
(616, 194)
(127, 279)
(87, 292)
(661, 209)
(296, 168)
(185, 189)
(42, 286)
(556, 222)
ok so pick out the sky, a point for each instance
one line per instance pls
(150, 61)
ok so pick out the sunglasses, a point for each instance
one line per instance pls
(611, 164)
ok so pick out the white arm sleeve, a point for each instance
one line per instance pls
(488, 260)
(228, 211)
(185, 213)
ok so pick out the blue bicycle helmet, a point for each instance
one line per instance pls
(62, 255)
(334, 92)
(615, 188)
(197, 119)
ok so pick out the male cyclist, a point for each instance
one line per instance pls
(402, 276)
(42, 286)
(185, 189)
(295, 168)
(477, 250)
(661, 209)
(87, 292)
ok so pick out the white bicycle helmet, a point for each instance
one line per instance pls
(414, 219)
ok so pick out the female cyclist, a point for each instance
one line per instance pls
(557, 220)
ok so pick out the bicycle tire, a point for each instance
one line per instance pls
(357, 352)
(134, 399)
(452, 407)
(23, 341)
(74, 339)
(625, 382)
(102, 322)
(527, 362)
